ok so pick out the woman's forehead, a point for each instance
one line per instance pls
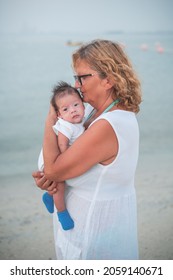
(82, 65)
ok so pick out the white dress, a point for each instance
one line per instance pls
(102, 202)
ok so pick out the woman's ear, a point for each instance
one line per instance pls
(107, 83)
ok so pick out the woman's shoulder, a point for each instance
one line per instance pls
(116, 116)
(119, 120)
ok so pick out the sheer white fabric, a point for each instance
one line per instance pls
(102, 202)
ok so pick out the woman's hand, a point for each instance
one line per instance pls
(44, 183)
(52, 114)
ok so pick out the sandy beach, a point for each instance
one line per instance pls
(154, 184)
(26, 228)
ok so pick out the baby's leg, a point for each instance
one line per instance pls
(63, 214)
(58, 197)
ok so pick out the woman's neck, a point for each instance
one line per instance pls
(102, 103)
(99, 109)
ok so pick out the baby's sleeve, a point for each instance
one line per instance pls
(64, 127)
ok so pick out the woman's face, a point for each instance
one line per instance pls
(89, 83)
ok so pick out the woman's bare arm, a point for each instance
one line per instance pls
(96, 145)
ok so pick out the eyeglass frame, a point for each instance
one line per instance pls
(78, 78)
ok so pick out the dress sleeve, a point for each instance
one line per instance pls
(64, 127)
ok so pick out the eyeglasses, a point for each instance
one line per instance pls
(81, 78)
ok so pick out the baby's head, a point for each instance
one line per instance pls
(68, 103)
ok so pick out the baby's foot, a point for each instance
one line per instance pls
(48, 201)
(65, 220)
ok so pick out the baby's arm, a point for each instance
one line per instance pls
(63, 142)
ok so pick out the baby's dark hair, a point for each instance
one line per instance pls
(60, 90)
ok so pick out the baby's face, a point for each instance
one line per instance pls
(71, 108)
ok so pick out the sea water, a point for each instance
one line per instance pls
(31, 65)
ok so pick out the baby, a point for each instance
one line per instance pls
(70, 109)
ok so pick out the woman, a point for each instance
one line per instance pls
(99, 168)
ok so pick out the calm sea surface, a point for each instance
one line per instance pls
(31, 65)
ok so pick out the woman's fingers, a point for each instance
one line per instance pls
(41, 181)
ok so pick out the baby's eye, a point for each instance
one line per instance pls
(65, 109)
(76, 104)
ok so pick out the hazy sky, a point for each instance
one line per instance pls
(86, 15)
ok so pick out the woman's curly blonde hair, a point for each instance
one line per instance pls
(108, 59)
